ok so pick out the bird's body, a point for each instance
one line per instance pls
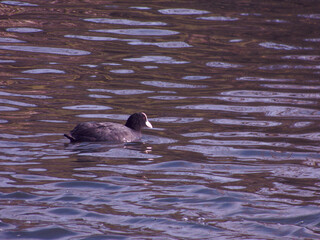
(110, 132)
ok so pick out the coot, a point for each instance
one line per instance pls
(110, 132)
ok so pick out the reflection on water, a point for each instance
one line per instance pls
(24, 30)
(50, 50)
(232, 90)
(156, 59)
(124, 22)
(182, 11)
(138, 31)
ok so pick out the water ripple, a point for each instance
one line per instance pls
(10, 40)
(261, 79)
(141, 7)
(258, 94)
(163, 84)
(36, 178)
(87, 184)
(121, 153)
(18, 3)
(108, 116)
(245, 122)
(291, 86)
(260, 99)
(24, 30)
(271, 111)
(239, 143)
(7, 61)
(91, 38)
(312, 136)
(36, 233)
(44, 70)
(287, 66)
(122, 91)
(234, 152)
(87, 107)
(176, 119)
(311, 16)
(163, 44)
(279, 46)
(122, 71)
(17, 103)
(248, 154)
(312, 39)
(182, 11)
(98, 96)
(167, 98)
(17, 195)
(124, 22)
(23, 95)
(192, 78)
(218, 18)
(139, 31)
(223, 65)
(156, 59)
(5, 109)
(302, 57)
(49, 50)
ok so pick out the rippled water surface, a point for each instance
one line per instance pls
(231, 88)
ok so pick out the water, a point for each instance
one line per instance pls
(232, 90)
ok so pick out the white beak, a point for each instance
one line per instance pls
(148, 124)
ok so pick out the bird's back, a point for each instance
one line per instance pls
(103, 131)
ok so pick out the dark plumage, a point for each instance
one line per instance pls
(110, 132)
